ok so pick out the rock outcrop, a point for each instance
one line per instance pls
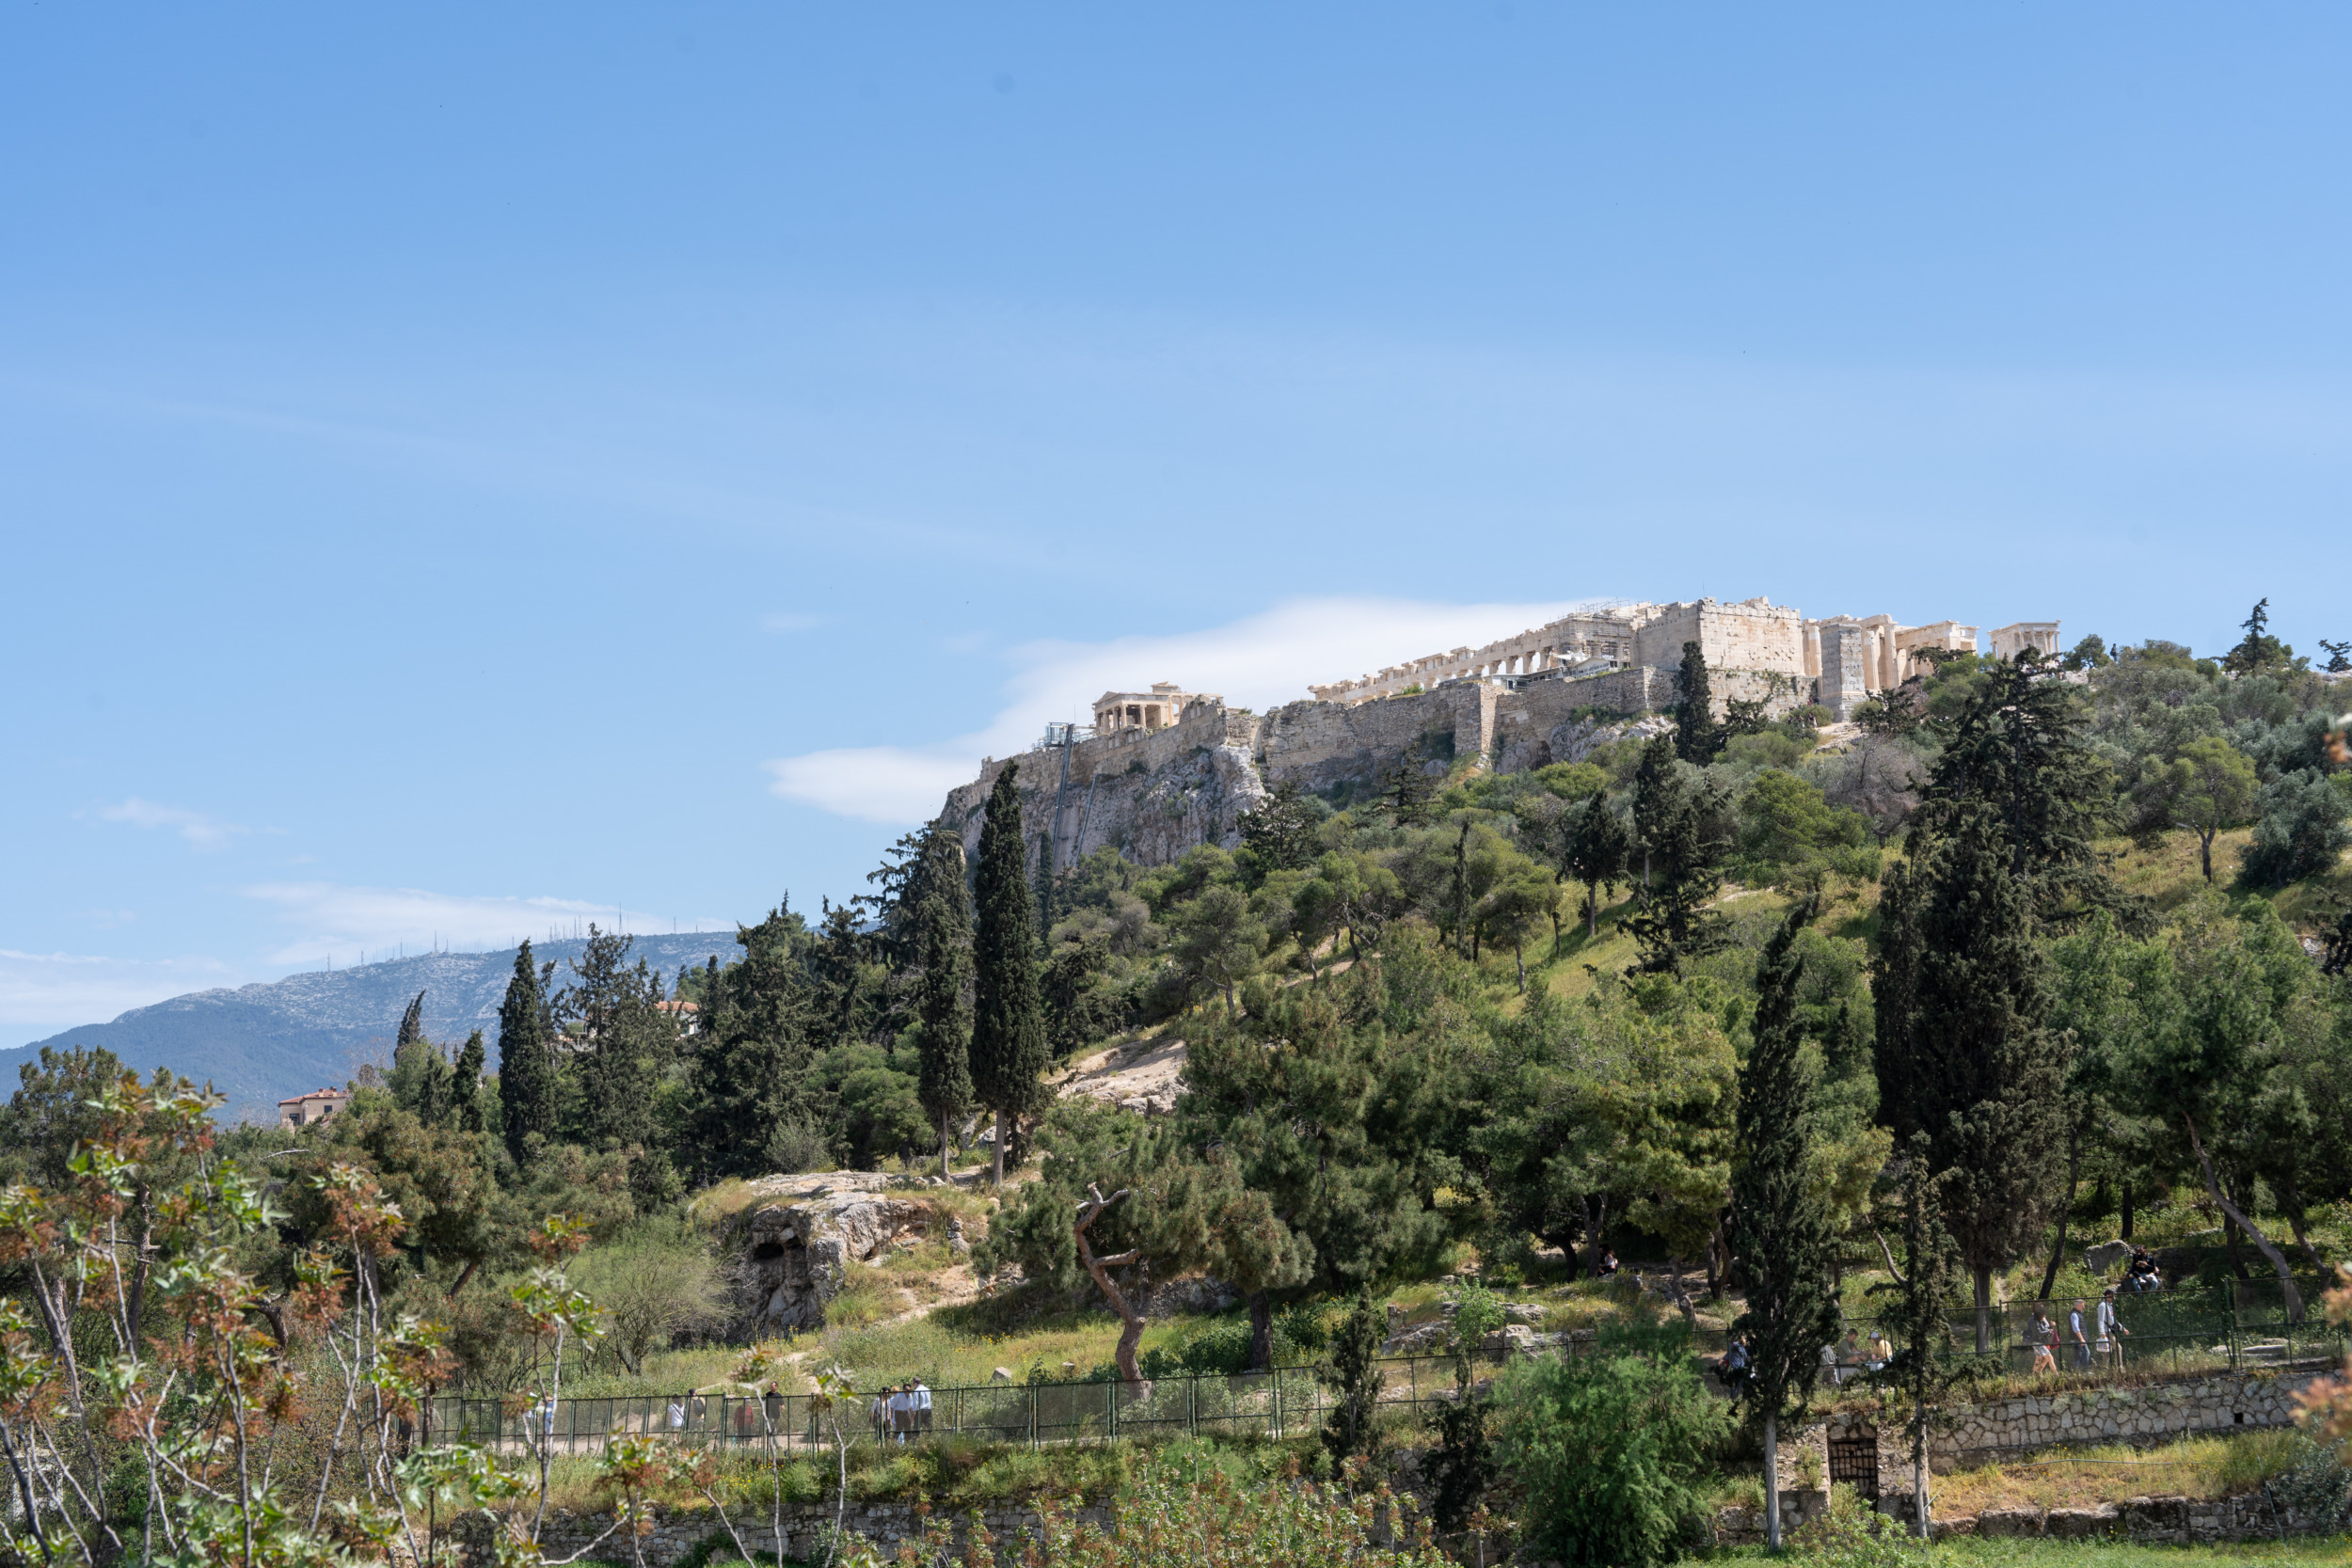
(799, 1236)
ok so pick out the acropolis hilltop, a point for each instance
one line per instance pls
(1162, 769)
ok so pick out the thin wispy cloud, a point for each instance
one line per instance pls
(332, 921)
(41, 992)
(1259, 662)
(205, 832)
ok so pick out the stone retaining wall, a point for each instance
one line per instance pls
(2226, 1402)
(674, 1535)
(2147, 1521)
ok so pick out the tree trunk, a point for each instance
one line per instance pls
(1000, 1149)
(2295, 1218)
(1260, 1331)
(2237, 1259)
(1682, 1297)
(943, 1143)
(2278, 1259)
(1919, 1465)
(2127, 1211)
(1771, 1482)
(2066, 1215)
(2204, 853)
(1983, 1275)
(1591, 909)
(1130, 1317)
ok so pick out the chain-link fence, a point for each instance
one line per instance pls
(1286, 1403)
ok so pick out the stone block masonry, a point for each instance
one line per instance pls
(1152, 790)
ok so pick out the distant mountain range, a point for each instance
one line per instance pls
(260, 1044)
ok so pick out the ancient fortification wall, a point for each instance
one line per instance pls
(1549, 695)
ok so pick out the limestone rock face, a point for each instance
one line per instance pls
(797, 1247)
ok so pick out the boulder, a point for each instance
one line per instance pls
(2082, 1524)
(1515, 1339)
(1522, 1312)
(798, 1245)
(1002, 1374)
(2106, 1258)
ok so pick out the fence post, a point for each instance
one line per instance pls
(1192, 1405)
(1032, 1416)
(1278, 1404)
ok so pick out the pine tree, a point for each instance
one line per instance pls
(943, 1080)
(1593, 852)
(1697, 737)
(1351, 1429)
(465, 1083)
(1009, 1055)
(526, 1057)
(1964, 1055)
(1781, 1236)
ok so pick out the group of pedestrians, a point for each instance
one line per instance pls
(902, 1412)
(2089, 1335)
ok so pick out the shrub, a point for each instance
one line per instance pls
(1611, 1446)
(2301, 832)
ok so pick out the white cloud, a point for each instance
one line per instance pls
(333, 921)
(44, 992)
(1259, 662)
(203, 832)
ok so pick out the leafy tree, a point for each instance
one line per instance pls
(1113, 1194)
(1697, 739)
(1781, 1239)
(422, 1082)
(526, 1056)
(1612, 1446)
(1964, 1055)
(54, 1109)
(1217, 943)
(841, 989)
(1513, 907)
(2208, 787)
(2339, 657)
(1080, 1009)
(1007, 1054)
(874, 1104)
(754, 1050)
(1407, 791)
(2301, 831)
(1785, 823)
(2088, 654)
(1594, 853)
(944, 1025)
(1351, 1430)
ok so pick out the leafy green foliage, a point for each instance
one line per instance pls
(1008, 1052)
(2302, 830)
(1611, 1446)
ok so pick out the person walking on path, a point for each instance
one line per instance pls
(2078, 1334)
(1734, 1370)
(922, 1409)
(2039, 1334)
(2111, 1330)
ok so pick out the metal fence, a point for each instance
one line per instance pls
(1285, 1403)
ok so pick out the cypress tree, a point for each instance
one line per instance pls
(1696, 739)
(751, 1072)
(526, 1057)
(466, 1086)
(1680, 843)
(1923, 1366)
(943, 1008)
(1781, 1235)
(1009, 1055)
(411, 1025)
(1965, 1056)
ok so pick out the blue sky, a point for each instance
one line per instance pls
(465, 470)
